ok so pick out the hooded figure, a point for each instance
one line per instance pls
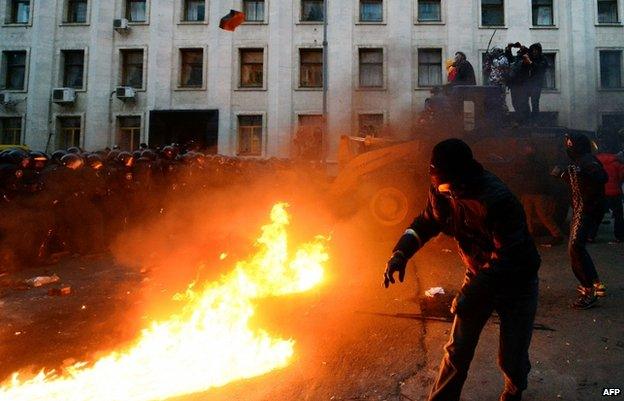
(537, 72)
(586, 178)
(488, 222)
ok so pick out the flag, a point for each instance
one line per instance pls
(232, 20)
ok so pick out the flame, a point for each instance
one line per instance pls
(208, 344)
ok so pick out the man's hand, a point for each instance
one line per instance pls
(397, 263)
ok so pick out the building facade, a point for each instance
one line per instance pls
(97, 73)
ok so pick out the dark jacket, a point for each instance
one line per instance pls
(465, 74)
(489, 224)
(539, 66)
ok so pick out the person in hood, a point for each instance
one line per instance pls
(489, 224)
(587, 178)
(613, 188)
(537, 71)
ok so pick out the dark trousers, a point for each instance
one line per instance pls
(614, 204)
(535, 93)
(582, 264)
(520, 102)
(516, 309)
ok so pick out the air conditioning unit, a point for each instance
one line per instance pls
(125, 93)
(5, 98)
(121, 25)
(63, 95)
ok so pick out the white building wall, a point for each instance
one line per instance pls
(576, 38)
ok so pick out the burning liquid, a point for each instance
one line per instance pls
(209, 344)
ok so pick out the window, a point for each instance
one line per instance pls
(128, 132)
(370, 125)
(252, 68)
(136, 10)
(550, 78)
(15, 70)
(543, 13)
(10, 130)
(194, 10)
(19, 12)
(73, 68)
(312, 10)
(254, 10)
(611, 69)
(429, 67)
(615, 121)
(308, 141)
(76, 12)
(69, 132)
(311, 68)
(608, 12)
(249, 135)
(371, 10)
(371, 68)
(429, 10)
(191, 68)
(132, 68)
(492, 12)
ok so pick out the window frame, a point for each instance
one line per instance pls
(505, 15)
(117, 127)
(298, 52)
(297, 126)
(384, 68)
(620, 11)
(265, 21)
(602, 115)
(181, 11)
(120, 66)
(22, 119)
(442, 20)
(4, 66)
(554, 6)
(178, 69)
(238, 51)
(112, 136)
(61, 68)
(599, 68)
(358, 13)
(264, 136)
(64, 13)
(124, 13)
(299, 16)
(8, 15)
(557, 72)
(417, 49)
(359, 113)
(58, 127)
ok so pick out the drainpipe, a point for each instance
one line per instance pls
(325, 80)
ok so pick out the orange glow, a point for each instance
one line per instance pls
(208, 344)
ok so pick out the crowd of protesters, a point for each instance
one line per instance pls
(77, 202)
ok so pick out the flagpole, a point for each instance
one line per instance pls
(325, 80)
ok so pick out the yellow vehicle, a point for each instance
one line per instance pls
(5, 147)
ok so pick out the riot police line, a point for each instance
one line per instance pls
(76, 202)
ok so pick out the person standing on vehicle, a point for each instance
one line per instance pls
(538, 67)
(464, 74)
(489, 224)
(519, 74)
(586, 178)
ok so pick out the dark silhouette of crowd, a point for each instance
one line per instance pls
(77, 202)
